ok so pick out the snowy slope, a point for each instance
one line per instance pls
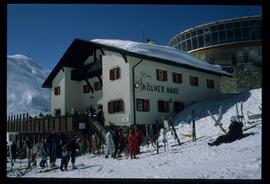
(24, 92)
(238, 160)
(163, 52)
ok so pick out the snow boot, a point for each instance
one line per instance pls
(73, 166)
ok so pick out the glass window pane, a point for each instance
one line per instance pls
(200, 31)
(194, 33)
(188, 35)
(254, 33)
(237, 34)
(200, 41)
(213, 28)
(194, 43)
(222, 37)
(221, 27)
(215, 38)
(207, 40)
(229, 26)
(183, 37)
(184, 46)
(246, 33)
(237, 24)
(245, 23)
(188, 44)
(229, 35)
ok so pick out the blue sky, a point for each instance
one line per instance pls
(44, 32)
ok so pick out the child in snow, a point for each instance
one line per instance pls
(64, 158)
(132, 141)
(43, 163)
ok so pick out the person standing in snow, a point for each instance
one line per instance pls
(121, 142)
(13, 149)
(235, 132)
(109, 144)
(72, 147)
(64, 158)
(94, 144)
(139, 135)
(52, 143)
(132, 143)
(115, 141)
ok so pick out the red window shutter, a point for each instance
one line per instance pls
(121, 105)
(110, 107)
(111, 74)
(165, 77)
(147, 105)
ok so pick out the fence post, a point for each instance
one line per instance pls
(193, 126)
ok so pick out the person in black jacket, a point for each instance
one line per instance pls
(52, 144)
(72, 147)
(235, 132)
(13, 151)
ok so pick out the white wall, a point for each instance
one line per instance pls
(186, 92)
(58, 102)
(116, 89)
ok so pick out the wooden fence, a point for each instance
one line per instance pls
(25, 124)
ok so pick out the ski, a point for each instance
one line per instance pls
(174, 132)
(218, 121)
(30, 166)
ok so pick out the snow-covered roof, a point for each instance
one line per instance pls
(162, 52)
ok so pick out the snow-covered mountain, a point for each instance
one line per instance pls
(240, 159)
(24, 92)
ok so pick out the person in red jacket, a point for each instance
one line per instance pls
(139, 135)
(132, 141)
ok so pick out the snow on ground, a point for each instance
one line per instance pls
(238, 160)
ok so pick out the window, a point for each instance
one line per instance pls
(163, 106)
(178, 106)
(162, 75)
(115, 106)
(115, 73)
(194, 81)
(86, 88)
(194, 43)
(210, 84)
(188, 44)
(177, 77)
(57, 91)
(97, 86)
(143, 105)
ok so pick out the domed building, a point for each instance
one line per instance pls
(235, 44)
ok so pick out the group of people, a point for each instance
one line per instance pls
(117, 143)
(53, 146)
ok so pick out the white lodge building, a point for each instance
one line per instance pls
(136, 83)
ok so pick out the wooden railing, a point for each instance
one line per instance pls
(26, 124)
